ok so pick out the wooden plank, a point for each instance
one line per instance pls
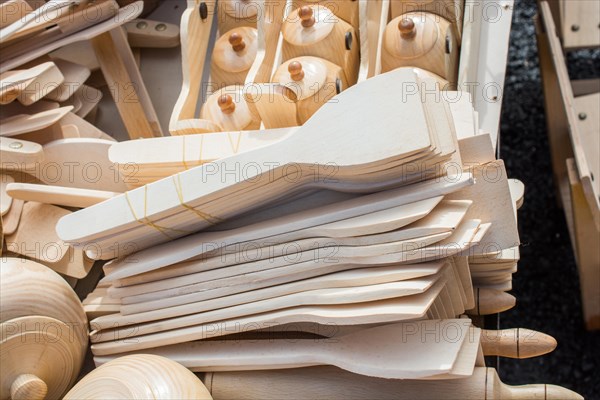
(580, 21)
(127, 90)
(587, 251)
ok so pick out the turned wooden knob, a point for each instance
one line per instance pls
(28, 387)
(237, 42)
(306, 16)
(295, 70)
(226, 104)
(407, 28)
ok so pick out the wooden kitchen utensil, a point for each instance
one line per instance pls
(25, 123)
(390, 310)
(140, 377)
(187, 248)
(333, 383)
(370, 351)
(382, 221)
(123, 15)
(444, 218)
(350, 278)
(36, 238)
(58, 195)
(174, 202)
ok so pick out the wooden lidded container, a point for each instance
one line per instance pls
(232, 57)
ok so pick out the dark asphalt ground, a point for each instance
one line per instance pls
(547, 284)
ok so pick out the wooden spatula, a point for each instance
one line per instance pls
(116, 213)
(395, 351)
(25, 123)
(57, 195)
(265, 273)
(351, 278)
(403, 308)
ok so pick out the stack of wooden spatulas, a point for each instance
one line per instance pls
(406, 143)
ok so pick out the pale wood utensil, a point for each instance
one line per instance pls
(58, 195)
(20, 124)
(140, 377)
(351, 278)
(367, 224)
(74, 77)
(318, 297)
(390, 310)
(117, 219)
(10, 221)
(187, 248)
(370, 351)
(13, 10)
(315, 261)
(444, 219)
(5, 198)
(332, 383)
(122, 16)
(36, 238)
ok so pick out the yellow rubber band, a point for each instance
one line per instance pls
(235, 147)
(211, 219)
(146, 221)
(184, 162)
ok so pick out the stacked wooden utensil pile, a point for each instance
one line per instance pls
(356, 268)
(347, 249)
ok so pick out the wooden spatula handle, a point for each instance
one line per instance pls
(516, 343)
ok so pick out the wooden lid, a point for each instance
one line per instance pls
(239, 9)
(19, 278)
(140, 376)
(228, 108)
(232, 57)
(40, 357)
(315, 75)
(294, 31)
(411, 35)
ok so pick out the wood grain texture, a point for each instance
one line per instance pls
(332, 383)
(140, 377)
(330, 38)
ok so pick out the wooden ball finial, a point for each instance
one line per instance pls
(307, 17)
(237, 42)
(407, 28)
(226, 104)
(295, 70)
(28, 387)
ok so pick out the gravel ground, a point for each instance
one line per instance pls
(547, 284)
